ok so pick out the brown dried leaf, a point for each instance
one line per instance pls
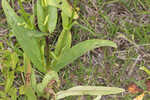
(133, 88)
(148, 84)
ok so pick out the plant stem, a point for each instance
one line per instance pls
(47, 52)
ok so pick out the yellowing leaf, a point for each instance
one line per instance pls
(133, 88)
(140, 97)
(88, 90)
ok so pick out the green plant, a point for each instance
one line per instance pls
(37, 52)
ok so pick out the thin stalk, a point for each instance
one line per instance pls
(47, 53)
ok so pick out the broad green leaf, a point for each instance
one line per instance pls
(51, 75)
(28, 43)
(64, 41)
(38, 35)
(88, 90)
(71, 54)
(12, 18)
(54, 3)
(67, 9)
(29, 92)
(64, 6)
(52, 18)
(30, 46)
(41, 16)
(65, 21)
